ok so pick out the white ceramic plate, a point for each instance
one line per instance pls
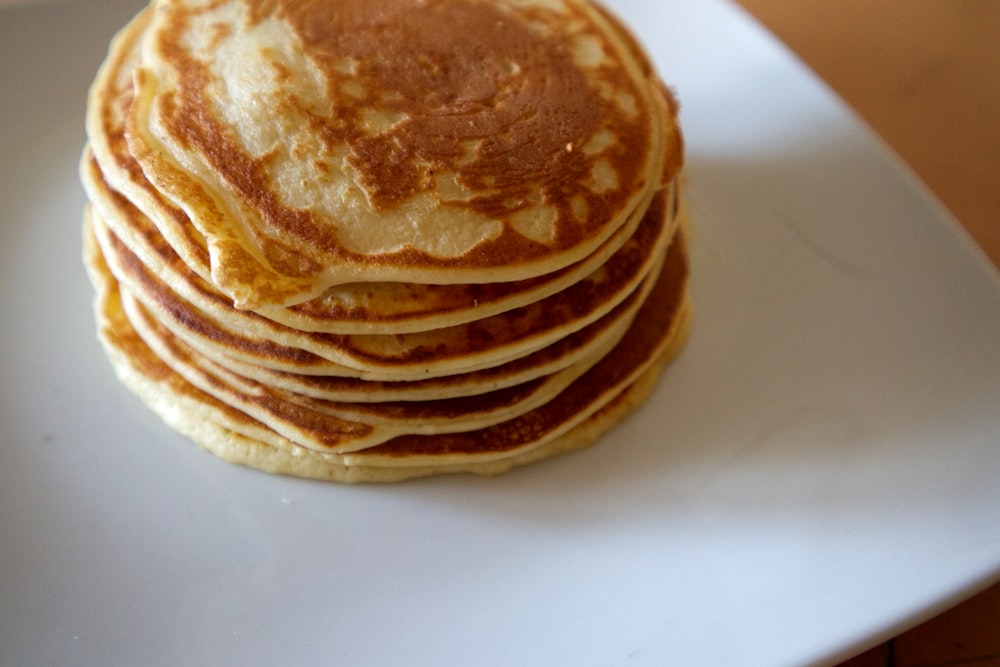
(817, 471)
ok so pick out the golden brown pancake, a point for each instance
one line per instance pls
(206, 316)
(592, 341)
(343, 239)
(338, 426)
(577, 416)
(392, 307)
(314, 144)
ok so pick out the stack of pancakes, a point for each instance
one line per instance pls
(367, 240)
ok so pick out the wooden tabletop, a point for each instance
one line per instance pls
(925, 75)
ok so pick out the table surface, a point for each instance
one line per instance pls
(922, 74)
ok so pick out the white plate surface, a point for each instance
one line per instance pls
(819, 469)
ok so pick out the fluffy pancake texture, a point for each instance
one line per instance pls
(368, 240)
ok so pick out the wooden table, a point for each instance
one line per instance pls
(925, 75)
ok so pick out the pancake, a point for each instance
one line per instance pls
(314, 144)
(330, 426)
(576, 417)
(370, 240)
(202, 314)
(593, 340)
(388, 307)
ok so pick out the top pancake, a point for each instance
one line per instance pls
(362, 307)
(317, 144)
